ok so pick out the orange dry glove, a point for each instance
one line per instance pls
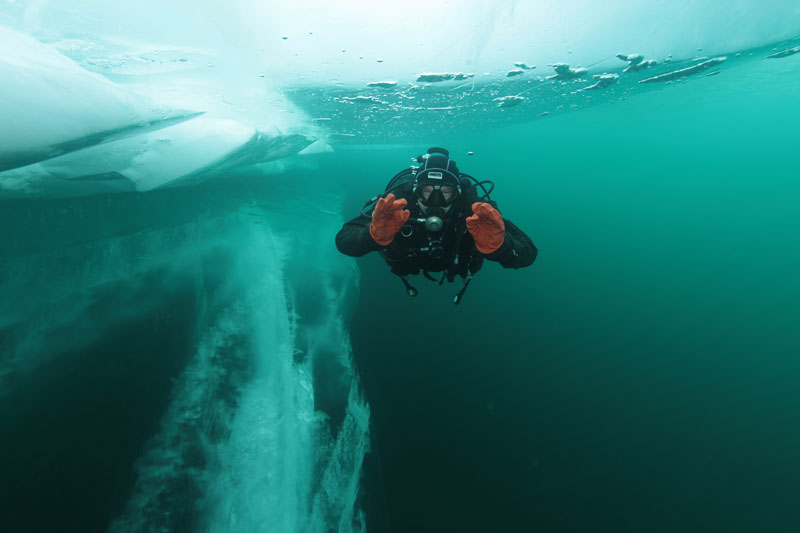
(487, 227)
(387, 219)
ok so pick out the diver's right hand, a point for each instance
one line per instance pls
(387, 219)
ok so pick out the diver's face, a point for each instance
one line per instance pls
(436, 210)
(448, 192)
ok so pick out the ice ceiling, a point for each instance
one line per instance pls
(269, 78)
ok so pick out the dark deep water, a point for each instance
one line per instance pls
(73, 432)
(642, 375)
(89, 391)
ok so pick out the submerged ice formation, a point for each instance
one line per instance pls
(270, 458)
(565, 72)
(784, 53)
(636, 62)
(51, 106)
(180, 154)
(382, 84)
(688, 71)
(63, 122)
(433, 77)
(602, 81)
(509, 101)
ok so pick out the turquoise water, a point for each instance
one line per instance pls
(641, 375)
(201, 358)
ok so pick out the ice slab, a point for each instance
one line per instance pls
(51, 106)
(185, 153)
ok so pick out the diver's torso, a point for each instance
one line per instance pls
(416, 249)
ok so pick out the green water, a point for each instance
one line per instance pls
(642, 375)
(639, 377)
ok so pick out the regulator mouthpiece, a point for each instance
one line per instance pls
(434, 224)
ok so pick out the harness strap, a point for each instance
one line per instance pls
(410, 290)
(457, 298)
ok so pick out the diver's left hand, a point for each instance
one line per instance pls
(487, 227)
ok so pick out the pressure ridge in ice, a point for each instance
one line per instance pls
(63, 122)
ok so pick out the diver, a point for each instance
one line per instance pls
(432, 219)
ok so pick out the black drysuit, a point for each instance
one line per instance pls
(414, 249)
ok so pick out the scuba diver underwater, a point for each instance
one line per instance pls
(430, 219)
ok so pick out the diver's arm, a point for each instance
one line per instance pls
(517, 250)
(354, 238)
